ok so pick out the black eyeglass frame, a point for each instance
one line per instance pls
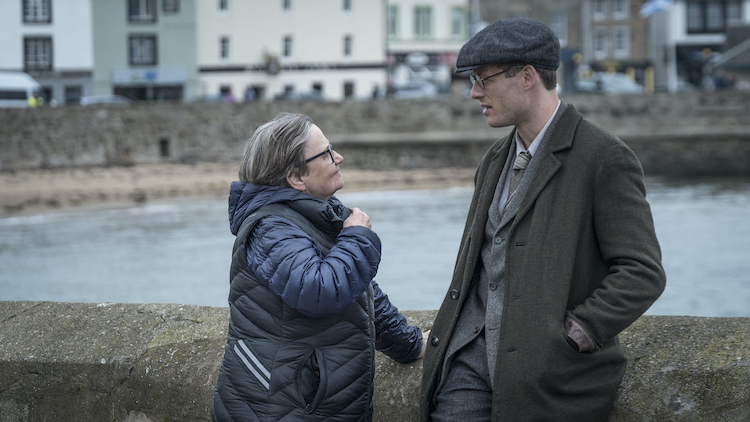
(329, 151)
(477, 79)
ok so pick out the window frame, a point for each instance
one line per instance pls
(46, 41)
(560, 28)
(35, 17)
(697, 19)
(393, 21)
(600, 37)
(423, 25)
(287, 46)
(599, 15)
(620, 14)
(154, 54)
(148, 17)
(621, 33)
(348, 46)
(459, 23)
(170, 6)
(224, 48)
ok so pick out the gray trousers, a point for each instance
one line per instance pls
(466, 394)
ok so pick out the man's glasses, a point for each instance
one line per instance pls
(479, 80)
(329, 151)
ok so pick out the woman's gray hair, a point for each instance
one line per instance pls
(276, 149)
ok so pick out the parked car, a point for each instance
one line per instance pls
(105, 100)
(609, 83)
(16, 88)
(415, 89)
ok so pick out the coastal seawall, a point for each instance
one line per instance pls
(683, 134)
(158, 362)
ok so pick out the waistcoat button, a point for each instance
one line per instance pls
(454, 294)
(435, 341)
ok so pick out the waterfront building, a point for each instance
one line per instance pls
(145, 49)
(292, 49)
(51, 40)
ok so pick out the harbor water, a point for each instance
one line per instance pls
(179, 251)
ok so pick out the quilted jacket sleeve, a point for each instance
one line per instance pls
(285, 258)
(395, 337)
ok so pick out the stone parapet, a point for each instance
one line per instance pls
(158, 362)
(421, 133)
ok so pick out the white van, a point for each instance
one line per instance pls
(16, 88)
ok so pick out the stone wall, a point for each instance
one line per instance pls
(686, 134)
(158, 362)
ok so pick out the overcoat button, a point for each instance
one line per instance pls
(493, 286)
(454, 294)
(435, 341)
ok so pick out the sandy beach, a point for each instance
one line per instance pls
(24, 192)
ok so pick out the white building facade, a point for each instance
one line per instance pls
(331, 49)
(424, 37)
(51, 40)
(693, 33)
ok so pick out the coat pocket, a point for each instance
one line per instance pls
(311, 379)
(252, 363)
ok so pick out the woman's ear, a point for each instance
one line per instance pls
(295, 180)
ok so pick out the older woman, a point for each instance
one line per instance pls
(306, 315)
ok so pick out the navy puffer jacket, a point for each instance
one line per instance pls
(306, 315)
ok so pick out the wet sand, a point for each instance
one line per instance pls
(24, 192)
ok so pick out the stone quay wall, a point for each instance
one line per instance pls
(159, 362)
(683, 134)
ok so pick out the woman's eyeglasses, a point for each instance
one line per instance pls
(329, 151)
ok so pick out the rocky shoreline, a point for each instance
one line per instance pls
(35, 191)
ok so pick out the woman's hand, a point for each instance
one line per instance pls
(358, 218)
(425, 336)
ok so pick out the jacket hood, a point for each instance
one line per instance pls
(246, 198)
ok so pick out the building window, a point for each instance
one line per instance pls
(142, 10)
(287, 47)
(224, 48)
(347, 5)
(142, 50)
(286, 5)
(601, 41)
(37, 11)
(423, 22)
(347, 46)
(223, 5)
(170, 6)
(600, 10)
(348, 89)
(712, 17)
(620, 9)
(734, 12)
(558, 22)
(459, 23)
(621, 42)
(392, 22)
(73, 94)
(37, 52)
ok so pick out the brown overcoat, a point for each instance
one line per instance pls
(582, 245)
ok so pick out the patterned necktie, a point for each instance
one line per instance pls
(522, 160)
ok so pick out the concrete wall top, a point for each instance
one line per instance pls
(159, 362)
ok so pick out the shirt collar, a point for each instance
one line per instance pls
(534, 145)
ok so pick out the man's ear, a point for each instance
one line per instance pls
(529, 76)
(295, 180)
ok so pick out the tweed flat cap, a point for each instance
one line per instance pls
(511, 40)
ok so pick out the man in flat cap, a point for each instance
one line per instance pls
(558, 255)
